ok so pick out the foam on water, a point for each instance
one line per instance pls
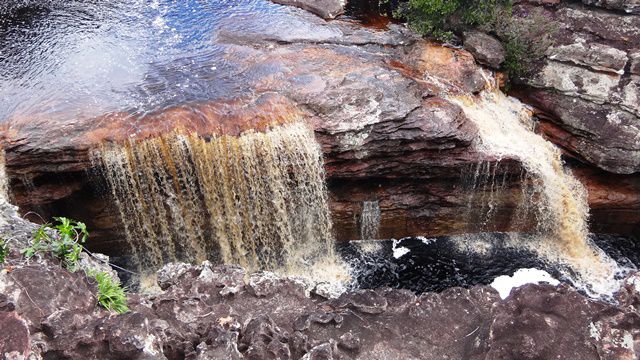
(504, 284)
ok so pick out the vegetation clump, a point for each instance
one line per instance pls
(4, 251)
(111, 295)
(65, 242)
(524, 38)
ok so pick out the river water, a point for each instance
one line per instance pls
(80, 59)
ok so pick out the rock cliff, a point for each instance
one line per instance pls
(377, 100)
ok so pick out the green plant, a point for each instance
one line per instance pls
(65, 243)
(525, 40)
(4, 251)
(429, 17)
(441, 18)
(111, 295)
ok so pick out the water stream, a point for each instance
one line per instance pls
(258, 200)
(559, 200)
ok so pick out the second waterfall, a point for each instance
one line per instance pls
(258, 200)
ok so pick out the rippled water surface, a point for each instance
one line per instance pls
(83, 58)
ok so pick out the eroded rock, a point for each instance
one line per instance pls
(191, 319)
(486, 49)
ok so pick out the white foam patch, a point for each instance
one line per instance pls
(504, 284)
(425, 240)
(399, 251)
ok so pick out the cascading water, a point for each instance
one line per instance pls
(370, 220)
(4, 181)
(506, 130)
(258, 200)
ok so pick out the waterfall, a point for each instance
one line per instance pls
(4, 180)
(506, 131)
(258, 200)
(370, 220)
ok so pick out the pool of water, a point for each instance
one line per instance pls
(79, 59)
(436, 264)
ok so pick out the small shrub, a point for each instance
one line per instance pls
(111, 295)
(429, 17)
(66, 245)
(525, 40)
(441, 18)
(4, 251)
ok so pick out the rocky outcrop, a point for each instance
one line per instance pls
(630, 6)
(588, 83)
(326, 9)
(206, 312)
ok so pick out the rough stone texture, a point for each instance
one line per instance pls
(630, 6)
(588, 83)
(486, 49)
(597, 56)
(193, 318)
(326, 9)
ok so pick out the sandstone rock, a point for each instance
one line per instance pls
(14, 339)
(630, 6)
(191, 320)
(597, 56)
(588, 86)
(326, 9)
(603, 134)
(486, 49)
(577, 82)
(609, 27)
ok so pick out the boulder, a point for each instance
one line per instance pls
(326, 9)
(486, 49)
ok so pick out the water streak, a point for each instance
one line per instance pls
(370, 220)
(258, 200)
(4, 181)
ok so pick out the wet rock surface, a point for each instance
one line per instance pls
(195, 318)
(375, 99)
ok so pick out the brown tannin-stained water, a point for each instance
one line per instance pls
(560, 209)
(258, 200)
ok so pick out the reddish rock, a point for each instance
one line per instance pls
(14, 337)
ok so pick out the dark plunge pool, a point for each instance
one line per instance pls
(435, 264)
